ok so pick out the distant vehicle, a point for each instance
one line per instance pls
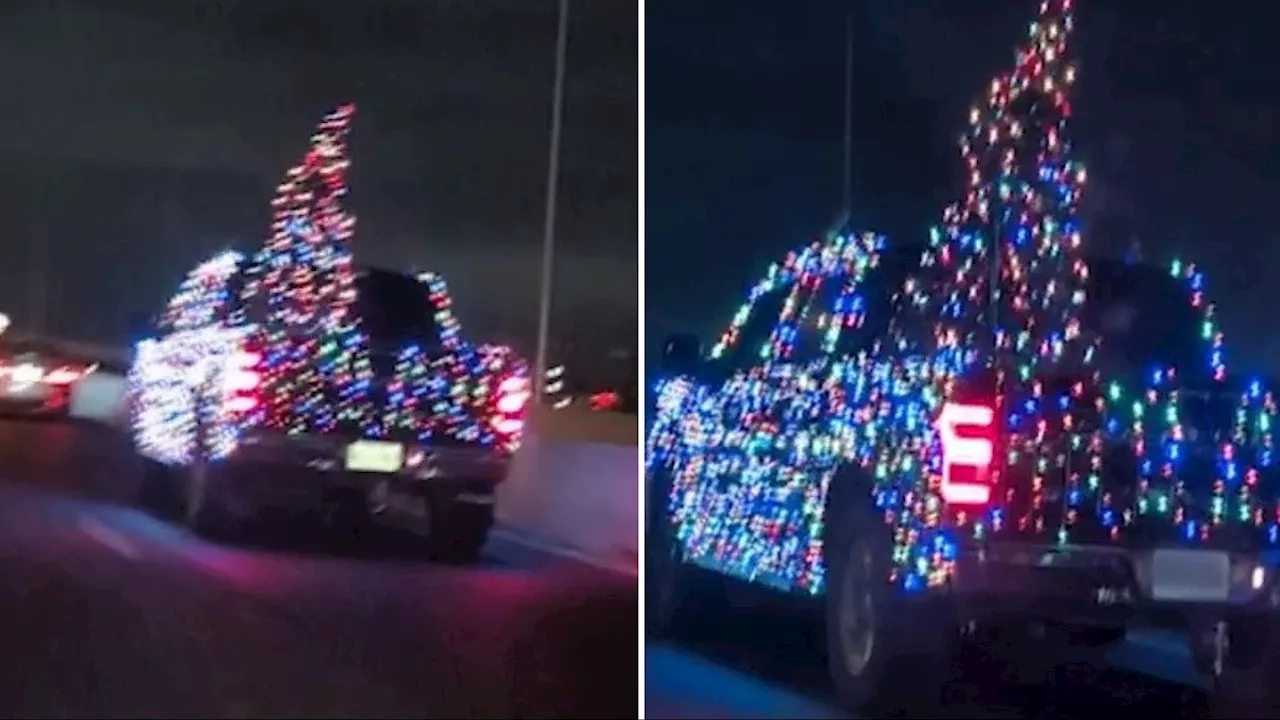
(37, 378)
(295, 380)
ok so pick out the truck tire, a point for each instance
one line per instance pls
(667, 583)
(1247, 686)
(458, 532)
(872, 630)
(157, 491)
(167, 493)
(346, 518)
(1242, 693)
(676, 593)
(202, 512)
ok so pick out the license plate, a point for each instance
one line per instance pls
(1190, 575)
(374, 456)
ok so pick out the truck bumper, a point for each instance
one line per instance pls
(299, 474)
(1114, 587)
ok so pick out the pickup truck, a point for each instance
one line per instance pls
(987, 433)
(292, 379)
(925, 514)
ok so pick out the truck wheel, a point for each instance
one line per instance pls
(1239, 694)
(869, 632)
(676, 593)
(458, 532)
(201, 512)
(667, 583)
(1247, 685)
(664, 586)
(157, 493)
(872, 630)
(346, 517)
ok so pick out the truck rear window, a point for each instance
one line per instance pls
(395, 308)
(1144, 317)
(1141, 312)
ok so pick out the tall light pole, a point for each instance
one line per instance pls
(846, 191)
(549, 217)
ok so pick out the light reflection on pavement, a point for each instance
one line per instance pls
(108, 611)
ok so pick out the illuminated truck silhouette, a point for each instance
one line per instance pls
(988, 431)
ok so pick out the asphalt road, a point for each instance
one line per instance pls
(106, 611)
(762, 662)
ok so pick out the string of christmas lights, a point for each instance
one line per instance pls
(745, 458)
(1176, 465)
(300, 289)
(163, 417)
(999, 291)
(204, 295)
(451, 391)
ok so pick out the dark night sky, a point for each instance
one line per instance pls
(1176, 121)
(139, 136)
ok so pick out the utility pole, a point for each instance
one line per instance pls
(847, 198)
(846, 190)
(549, 217)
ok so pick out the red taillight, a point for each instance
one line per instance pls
(508, 426)
(242, 380)
(967, 451)
(513, 394)
(606, 401)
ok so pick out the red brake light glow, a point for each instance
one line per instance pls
(242, 380)
(606, 401)
(967, 451)
(513, 394)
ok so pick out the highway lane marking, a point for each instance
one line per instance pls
(109, 538)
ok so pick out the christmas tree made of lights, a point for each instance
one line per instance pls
(1001, 285)
(1004, 274)
(1002, 288)
(316, 359)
